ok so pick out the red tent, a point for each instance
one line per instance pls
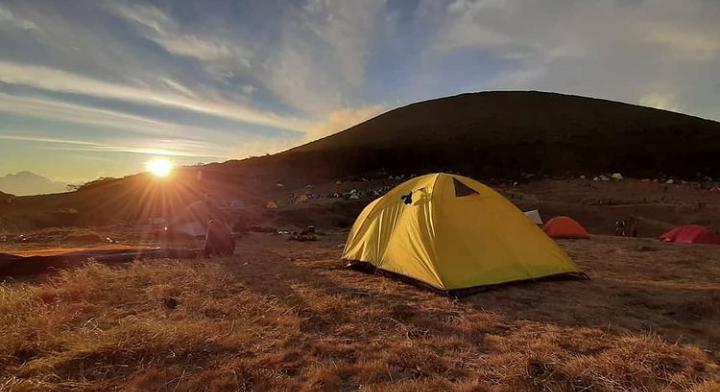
(691, 234)
(565, 227)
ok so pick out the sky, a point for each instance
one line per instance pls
(97, 88)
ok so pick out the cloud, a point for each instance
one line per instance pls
(167, 33)
(319, 61)
(61, 81)
(248, 89)
(614, 50)
(67, 112)
(342, 119)
(112, 122)
(192, 46)
(466, 31)
(7, 18)
(19, 137)
(162, 147)
(683, 43)
(314, 61)
(178, 87)
(659, 101)
(146, 15)
(149, 131)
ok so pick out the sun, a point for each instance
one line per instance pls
(159, 167)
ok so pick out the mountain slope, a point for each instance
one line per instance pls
(27, 183)
(483, 135)
(506, 132)
(5, 197)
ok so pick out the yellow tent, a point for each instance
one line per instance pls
(452, 232)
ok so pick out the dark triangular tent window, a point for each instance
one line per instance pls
(407, 199)
(462, 189)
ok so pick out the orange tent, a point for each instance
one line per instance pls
(565, 227)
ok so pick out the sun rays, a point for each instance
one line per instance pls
(159, 167)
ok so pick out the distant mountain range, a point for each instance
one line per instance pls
(27, 183)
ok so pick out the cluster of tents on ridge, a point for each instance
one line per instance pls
(422, 230)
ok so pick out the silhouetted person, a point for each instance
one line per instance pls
(620, 227)
(218, 240)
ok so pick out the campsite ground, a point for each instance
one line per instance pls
(287, 315)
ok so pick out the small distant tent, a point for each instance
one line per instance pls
(452, 233)
(302, 199)
(534, 216)
(565, 227)
(271, 205)
(690, 234)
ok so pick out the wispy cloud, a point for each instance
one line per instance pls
(164, 31)
(342, 119)
(321, 56)
(683, 42)
(7, 18)
(614, 50)
(61, 81)
(103, 121)
(68, 112)
(161, 147)
(20, 137)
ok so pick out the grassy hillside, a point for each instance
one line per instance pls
(503, 133)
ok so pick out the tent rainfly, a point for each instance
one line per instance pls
(452, 233)
(690, 234)
(565, 227)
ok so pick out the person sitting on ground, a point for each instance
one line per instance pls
(218, 240)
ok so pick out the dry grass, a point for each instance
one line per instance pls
(287, 316)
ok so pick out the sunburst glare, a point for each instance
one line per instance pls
(159, 167)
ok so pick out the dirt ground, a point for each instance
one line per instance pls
(285, 315)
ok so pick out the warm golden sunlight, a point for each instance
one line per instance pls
(159, 167)
(360, 194)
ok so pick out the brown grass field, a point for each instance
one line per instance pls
(284, 315)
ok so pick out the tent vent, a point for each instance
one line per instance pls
(407, 199)
(462, 189)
